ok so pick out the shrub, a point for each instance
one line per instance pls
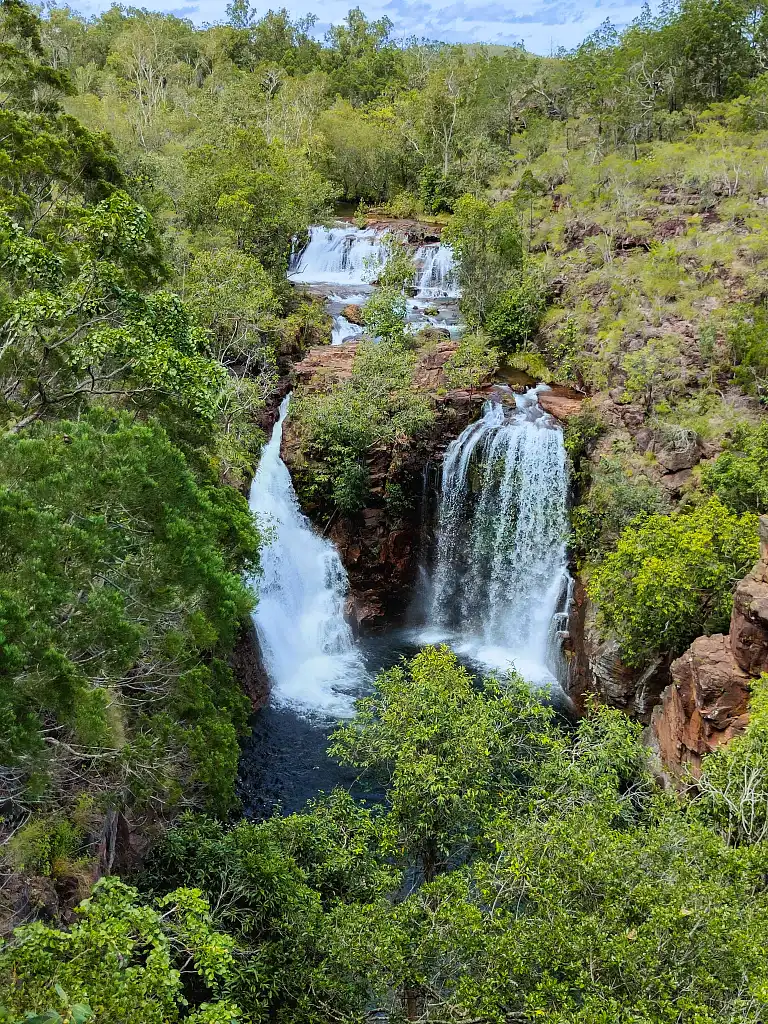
(739, 475)
(734, 780)
(616, 496)
(474, 361)
(671, 578)
(515, 316)
(748, 336)
(437, 192)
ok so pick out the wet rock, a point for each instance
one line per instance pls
(354, 314)
(248, 667)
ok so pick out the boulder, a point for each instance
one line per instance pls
(559, 404)
(354, 314)
(684, 454)
(703, 707)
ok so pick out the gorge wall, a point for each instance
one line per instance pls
(706, 703)
(381, 545)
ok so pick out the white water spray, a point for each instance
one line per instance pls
(437, 276)
(501, 577)
(344, 255)
(343, 330)
(307, 646)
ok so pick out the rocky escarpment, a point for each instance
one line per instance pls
(706, 703)
(382, 544)
(595, 666)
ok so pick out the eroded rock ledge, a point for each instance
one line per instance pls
(706, 703)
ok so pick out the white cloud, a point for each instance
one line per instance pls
(542, 25)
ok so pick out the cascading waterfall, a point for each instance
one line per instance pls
(500, 576)
(343, 255)
(307, 646)
(343, 330)
(437, 277)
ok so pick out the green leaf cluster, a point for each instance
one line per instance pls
(671, 578)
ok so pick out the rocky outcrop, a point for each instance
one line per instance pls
(706, 703)
(354, 314)
(703, 707)
(562, 403)
(595, 667)
(381, 545)
(749, 622)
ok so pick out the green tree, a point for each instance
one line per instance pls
(671, 578)
(739, 475)
(473, 363)
(487, 242)
(121, 960)
(516, 314)
(449, 754)
(120, 597)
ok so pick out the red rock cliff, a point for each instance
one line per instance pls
(706, 703)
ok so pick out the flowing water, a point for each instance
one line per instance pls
(494, 588)
(307, 647)
(500, 575)
(437, 276)
(340, 256)
(341, 263)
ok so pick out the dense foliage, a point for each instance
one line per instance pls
(568, 888)
(607, 211)
(671, 578)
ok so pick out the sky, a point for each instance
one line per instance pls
(541, 25)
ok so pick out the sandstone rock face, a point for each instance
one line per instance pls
(749, 621)
(559, 404)
(595, 667)
(706, 703)
(704, 706)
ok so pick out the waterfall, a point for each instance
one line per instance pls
(342, 255)
(500, 577)
(437, 277)
(307, 646)
(343, 330)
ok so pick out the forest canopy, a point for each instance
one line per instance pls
(608, 212)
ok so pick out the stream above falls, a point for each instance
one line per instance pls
(494, 585)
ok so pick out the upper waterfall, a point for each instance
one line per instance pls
(437, 277)
(500, 575)
(308, 648)
(341, 255)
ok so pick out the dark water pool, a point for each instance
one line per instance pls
(284, 761)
